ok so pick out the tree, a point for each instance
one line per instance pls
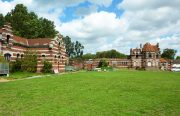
(78, 49)
(73, 50)
(168, 53)
(2, 20)
(69, 45)
(27, 24)
(102, 63)
(178, 58)
(89, 56)
(110, 54)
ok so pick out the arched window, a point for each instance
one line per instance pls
(7, 56)
(43, 57)
(22, 56)
(7, 40)
(55, 56)
(18, 55)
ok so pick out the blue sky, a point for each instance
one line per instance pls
(110, 24)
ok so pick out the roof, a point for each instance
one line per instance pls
(39, 41)
(162, 60)
(150, 48)
(20, 40)
(176, 61)
(32, 42)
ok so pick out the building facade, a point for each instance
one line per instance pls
(13, 47)
(147, 56)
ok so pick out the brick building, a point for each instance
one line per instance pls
(50, 49)
(147, 56)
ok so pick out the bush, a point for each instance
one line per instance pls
(29, 62)
(47, 68)
(15, 66)
(102, 63)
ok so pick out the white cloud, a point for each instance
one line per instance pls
(142, 21)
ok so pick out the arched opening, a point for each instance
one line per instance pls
(22, 55)
(18, 55)
(7, 56)
(43, 57)
(149, 64)
(7, 40)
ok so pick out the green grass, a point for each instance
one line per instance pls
(129, 93)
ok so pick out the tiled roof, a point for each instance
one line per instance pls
(39, 41)
(20, 40)
(150, 48)
(32, 42)
(162, 60)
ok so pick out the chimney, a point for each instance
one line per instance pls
(157, 45)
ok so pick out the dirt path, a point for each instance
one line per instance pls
(3, 80)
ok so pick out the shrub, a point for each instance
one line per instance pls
(102, 63)
(15, 66)
(47, 68)
(29, 62)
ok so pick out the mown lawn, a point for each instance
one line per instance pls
(130, 93)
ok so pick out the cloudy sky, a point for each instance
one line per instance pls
(110, 24)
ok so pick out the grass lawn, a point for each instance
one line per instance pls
(130, 93)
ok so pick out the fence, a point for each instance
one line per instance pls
(4, 68)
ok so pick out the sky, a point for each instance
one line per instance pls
(110, 24)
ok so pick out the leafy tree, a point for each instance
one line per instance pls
(2, 20)
(89, 56)
(69, 45)
(27, 24)
(168, 53)
(73, 50)
(102, 63)
(178, 58)
(78, 49)
(110, 54)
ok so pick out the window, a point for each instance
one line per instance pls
(22, 56)
(8, 37)
(55, 56)
(43, 57)
(18, 55)
(150, 55)
(7, 56)
(136, 56)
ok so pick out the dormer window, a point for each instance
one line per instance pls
(7, 40)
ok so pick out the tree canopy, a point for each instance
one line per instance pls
(105, 54)
(168, 53)
(73, 49)
(178, 58)
(27, 24)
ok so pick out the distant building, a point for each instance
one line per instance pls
(147, 56)
(50, 49)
